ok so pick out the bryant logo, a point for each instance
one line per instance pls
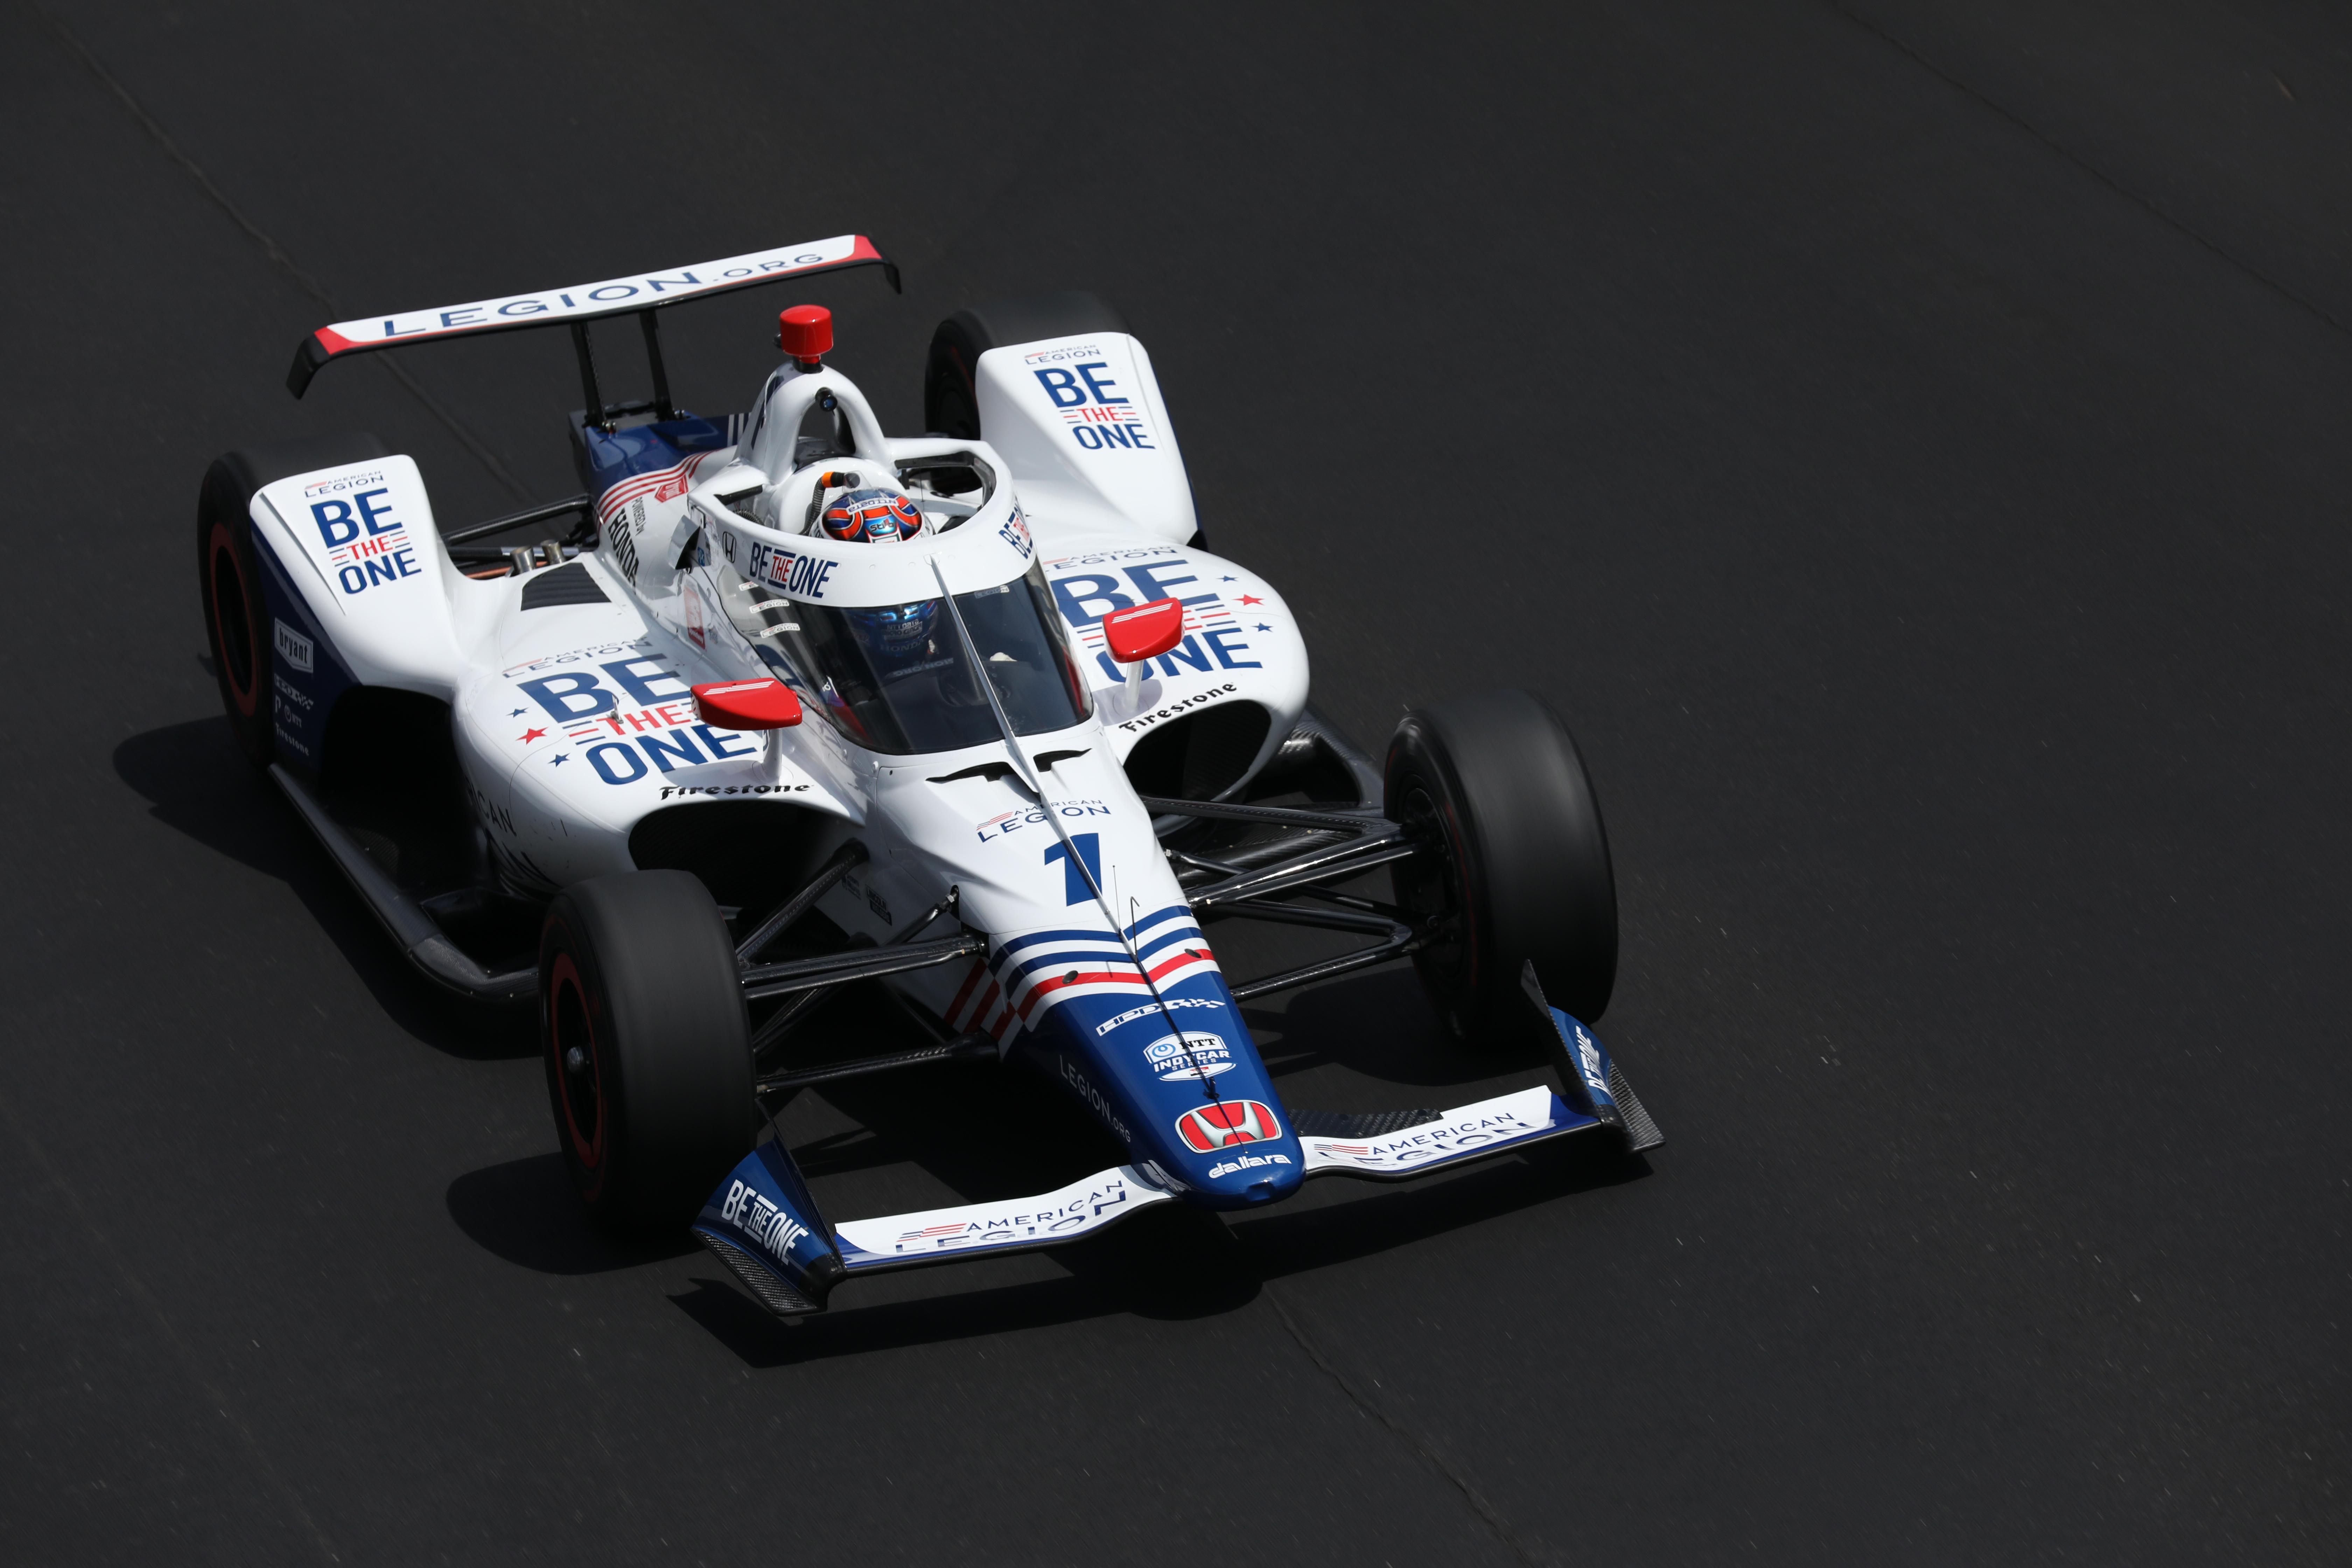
(292, 647)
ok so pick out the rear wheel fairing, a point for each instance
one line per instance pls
(1081, 421)
(304, 673)
(358, 544)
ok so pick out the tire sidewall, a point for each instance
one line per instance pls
(586, 1150)
(649, 959)
(225, 547)
(950, 396)
(225, 536)
(1417, 763)
(1530, 858)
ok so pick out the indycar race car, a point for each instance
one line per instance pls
(974, 720)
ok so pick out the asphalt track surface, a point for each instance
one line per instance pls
(1907, 442)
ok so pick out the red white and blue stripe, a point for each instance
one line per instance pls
(660, 485)
(1027, 976)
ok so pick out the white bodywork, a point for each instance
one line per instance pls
(574, 721)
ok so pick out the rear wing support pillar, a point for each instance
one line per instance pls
(663, 407)
(598, 412)
(594, 400)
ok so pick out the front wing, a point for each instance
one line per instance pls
(765, 1227)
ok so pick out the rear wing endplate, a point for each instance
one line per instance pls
(582, 302)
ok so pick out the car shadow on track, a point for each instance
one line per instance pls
(1379, 1025)
(526, 1212)
(1165, 1265)
(197, 783)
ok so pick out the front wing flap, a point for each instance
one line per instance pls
(765, 1224)
(1447, 1138)
(938, 1235)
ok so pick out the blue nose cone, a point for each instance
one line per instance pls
(1243, 1174)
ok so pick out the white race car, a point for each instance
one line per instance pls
(972, 718)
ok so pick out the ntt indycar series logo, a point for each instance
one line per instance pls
(1195, 1055)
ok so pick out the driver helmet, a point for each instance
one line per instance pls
(900, 632)
(871, 517)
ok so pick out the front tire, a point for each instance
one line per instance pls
(228, 574)
(1515, 866)
(647, 1045)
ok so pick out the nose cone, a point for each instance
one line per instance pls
(1241, 1153)
(1263, 1179)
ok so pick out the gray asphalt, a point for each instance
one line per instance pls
(1906, 441)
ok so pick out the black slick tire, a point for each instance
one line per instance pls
(950, 403)
(228, 574)
(646, 1044)
(1515, 866)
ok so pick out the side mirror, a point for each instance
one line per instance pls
(1147, 631)
(763, 704)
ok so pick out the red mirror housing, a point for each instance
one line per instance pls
(1144, 632)
(762, 704)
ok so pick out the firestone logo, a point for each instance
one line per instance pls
(1132, 1014)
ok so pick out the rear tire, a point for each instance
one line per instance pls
(647, 1045)
(1517, 867)
(230, 579)
(951, 399)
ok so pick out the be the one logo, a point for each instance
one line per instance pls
(1098, 419)
(365, 542)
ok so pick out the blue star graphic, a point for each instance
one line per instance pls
(1224, 579)
(1263, 627)
(557, 760)
(518, 713)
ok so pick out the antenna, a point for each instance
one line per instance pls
(1029, 775)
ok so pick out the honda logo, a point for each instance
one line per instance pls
(1227, 1122)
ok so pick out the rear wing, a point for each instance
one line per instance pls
(583, 303)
